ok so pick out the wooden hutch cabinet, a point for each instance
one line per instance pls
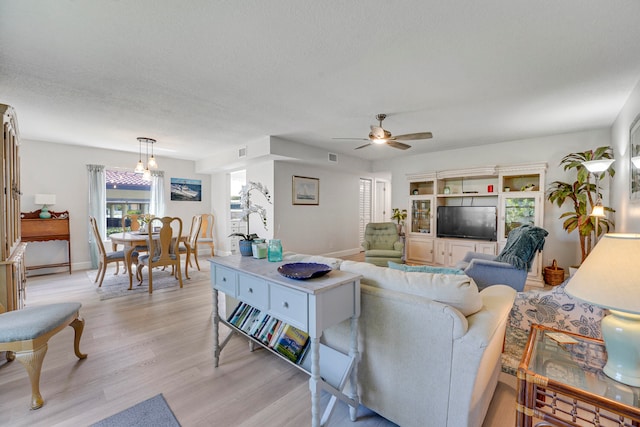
(516, 192)
(12, 272)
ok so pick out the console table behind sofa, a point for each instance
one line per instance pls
(36, 229)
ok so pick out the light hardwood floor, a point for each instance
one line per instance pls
(142, 345)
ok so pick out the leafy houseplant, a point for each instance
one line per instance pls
(245, 243)
(399, 216)
(249, 207)
(247, 237)
(583, 196)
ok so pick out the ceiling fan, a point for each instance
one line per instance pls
(379, 135)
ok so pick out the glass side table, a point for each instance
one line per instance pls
(562, 384)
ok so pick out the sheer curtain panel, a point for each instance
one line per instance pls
(156, 205)
(97, 207)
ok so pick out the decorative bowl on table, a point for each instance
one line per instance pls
(303, 270)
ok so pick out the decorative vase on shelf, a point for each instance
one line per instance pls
(245, 247)
(274, 250)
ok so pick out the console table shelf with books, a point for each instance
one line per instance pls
(310, 306)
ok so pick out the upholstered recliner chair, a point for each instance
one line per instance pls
(381, 243)
(512, 265)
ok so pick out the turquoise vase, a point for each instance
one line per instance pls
(274, 250)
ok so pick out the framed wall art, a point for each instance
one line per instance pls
(186, 189)
(634, 151)
(306, 191)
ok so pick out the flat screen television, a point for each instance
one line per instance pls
(468, 222)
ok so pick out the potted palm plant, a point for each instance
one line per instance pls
(582, 195)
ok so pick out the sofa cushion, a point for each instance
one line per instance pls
(458, 291)
(424, 268)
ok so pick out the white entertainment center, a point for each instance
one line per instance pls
(516, 191)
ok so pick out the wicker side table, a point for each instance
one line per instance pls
(563, 384)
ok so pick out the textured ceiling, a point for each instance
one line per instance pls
(205, 76)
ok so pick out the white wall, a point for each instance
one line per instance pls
(60, 169)
(331, 227)
(550, 149)
(627, 210)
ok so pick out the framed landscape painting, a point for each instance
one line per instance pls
(306, 191)
(186, 189)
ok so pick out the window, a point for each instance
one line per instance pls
(127, 193)
(365, 205)
(237, 180)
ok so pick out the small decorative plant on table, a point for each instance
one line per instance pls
(249, 207)
(145, 219)
(399, 216)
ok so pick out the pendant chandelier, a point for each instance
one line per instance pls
(151, 161)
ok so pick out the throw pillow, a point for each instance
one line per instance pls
(456, 290)
(424, 268)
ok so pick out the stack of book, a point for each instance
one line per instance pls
(283, 338)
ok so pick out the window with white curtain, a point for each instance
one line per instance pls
(127, 193)
(365, 205)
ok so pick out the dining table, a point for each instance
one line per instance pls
(132, 239)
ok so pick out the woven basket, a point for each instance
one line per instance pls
(553, 275)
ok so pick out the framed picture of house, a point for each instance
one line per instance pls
(634, 151)
(306, 191)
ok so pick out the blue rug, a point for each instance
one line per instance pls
(154, 412)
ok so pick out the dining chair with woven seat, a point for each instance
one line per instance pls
(163, 248)
(105, 257)
(189, 246)
(206, 234)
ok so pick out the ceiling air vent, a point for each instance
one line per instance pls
(333, 157)
(242, 152)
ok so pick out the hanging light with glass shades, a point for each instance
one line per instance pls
(151, 161)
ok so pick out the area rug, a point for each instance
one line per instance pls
(115, 286)
(154, 412)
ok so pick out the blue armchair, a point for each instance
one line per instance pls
(512, 265)
(485, 271)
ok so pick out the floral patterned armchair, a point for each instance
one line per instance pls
(554, 308)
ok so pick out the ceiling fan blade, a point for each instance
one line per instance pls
(399, 145)
(362, 146)
(354, 139)
(413, 136)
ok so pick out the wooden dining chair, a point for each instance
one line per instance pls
(104, 257)
(163, 248)
(206, 233)
(130, 222)
(190, 245)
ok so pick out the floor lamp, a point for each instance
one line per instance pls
(597, 167)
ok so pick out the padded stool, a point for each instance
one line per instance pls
(24, 335)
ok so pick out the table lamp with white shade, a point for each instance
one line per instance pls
(610, 278)
(45, 200)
